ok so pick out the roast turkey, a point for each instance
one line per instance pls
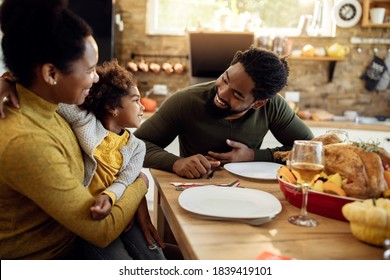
(360, 163)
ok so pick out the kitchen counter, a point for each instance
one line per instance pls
(377, 133)
(379, 126)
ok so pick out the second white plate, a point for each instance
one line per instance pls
(254, 170)
(224, 202)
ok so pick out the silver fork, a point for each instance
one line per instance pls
(211, 174)
(232, 184)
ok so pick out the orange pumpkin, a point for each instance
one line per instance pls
(286, 174)
(149, 104)
(332, 188)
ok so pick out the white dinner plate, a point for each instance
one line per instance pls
(225, 202)
(252, 222)
(254, 170)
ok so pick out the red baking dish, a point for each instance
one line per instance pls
(323, 204)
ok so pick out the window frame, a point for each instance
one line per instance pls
(328, 28)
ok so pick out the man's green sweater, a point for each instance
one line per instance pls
(184, 115)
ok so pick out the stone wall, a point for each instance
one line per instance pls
(345, 92)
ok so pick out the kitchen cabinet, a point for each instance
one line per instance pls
(99, 14)
(172, 148)
(150, 195)
(367, 5)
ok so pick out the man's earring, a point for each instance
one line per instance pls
(54, 82)
(114, 114)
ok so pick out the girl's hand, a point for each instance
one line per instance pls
(101, 207)
(7, 92)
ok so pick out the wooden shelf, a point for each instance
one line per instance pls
(367, 5)
(383, 25)
(317, 58)
(332, 62)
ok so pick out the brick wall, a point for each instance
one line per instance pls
(345, 92)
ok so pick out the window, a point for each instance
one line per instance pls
(264, 17)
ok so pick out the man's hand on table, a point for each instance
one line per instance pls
(195, 166)
(240, 152)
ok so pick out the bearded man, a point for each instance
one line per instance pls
(225, 120)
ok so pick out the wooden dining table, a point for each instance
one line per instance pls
(203, 239)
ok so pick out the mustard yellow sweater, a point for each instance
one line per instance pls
(43, 203)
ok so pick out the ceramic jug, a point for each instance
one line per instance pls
(337, 50)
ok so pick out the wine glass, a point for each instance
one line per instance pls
(342, 134)
(306, 158)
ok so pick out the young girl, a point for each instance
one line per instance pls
(113, 157)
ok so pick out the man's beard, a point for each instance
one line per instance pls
(215, 111)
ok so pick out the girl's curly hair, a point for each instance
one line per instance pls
(114, 83)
